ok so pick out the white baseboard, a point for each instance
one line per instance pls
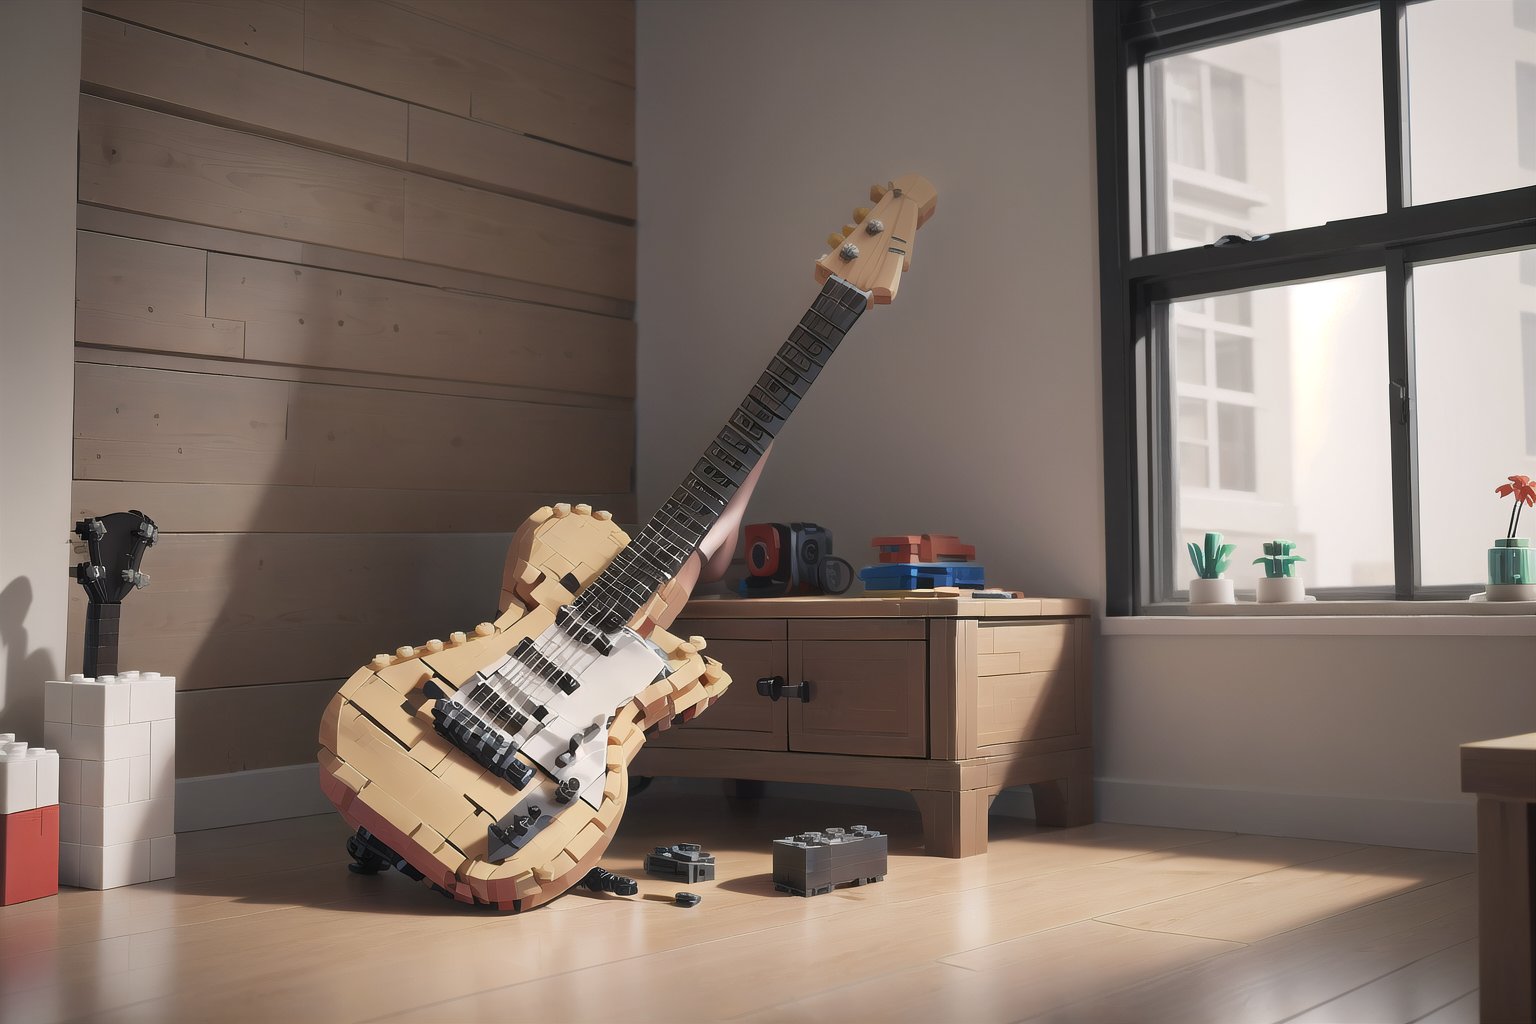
(267, 794)
(1420, 824)
(240, 798)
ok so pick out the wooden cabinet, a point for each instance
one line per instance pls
(949, 699)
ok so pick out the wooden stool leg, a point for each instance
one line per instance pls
(1505, 904)
(1064, 802)
(954, 824)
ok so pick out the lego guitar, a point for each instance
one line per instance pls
(495, 766)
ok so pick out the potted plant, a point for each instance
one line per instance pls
(1209, 586)
(1512, 560)
(1280, 583)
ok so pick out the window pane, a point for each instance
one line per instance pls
(1280, 131)
(1302, 449)
(1234, 309)
(1471, 110)
(1191, 356)
(1234, 362)
(1476, 392)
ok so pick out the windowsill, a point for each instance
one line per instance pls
(1334, 618)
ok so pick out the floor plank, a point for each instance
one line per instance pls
(263, 923)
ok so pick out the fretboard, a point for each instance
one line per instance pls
(674, 533)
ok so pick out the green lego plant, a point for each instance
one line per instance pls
(1211, 561)
(1278, 560)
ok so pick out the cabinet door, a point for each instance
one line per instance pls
(867, 697)
(740, 719)
(1026, 682)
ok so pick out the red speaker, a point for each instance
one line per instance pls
(767, 547)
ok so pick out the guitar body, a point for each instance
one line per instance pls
(388, 771)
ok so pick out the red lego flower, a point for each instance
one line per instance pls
(1525, 494)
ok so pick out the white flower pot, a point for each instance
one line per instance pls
(1281, 590)
(1511, 592)
(1217, 591)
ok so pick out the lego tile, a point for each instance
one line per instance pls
(107, 867)
(69, 862)
(152, 697)
(70, 769)
(18, 779)
(59, 736)
(125, 823)
(58, 701)
(103, 702)
(162, 857)
(138, 778)
(29, 855)
(106, 743)
(47, 777)
(104, 783)
(162, 757)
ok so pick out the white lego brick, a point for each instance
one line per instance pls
(107, 743)
(104, 783)
(125, 823)
(69, 779)
(162, 758)
(154, 697)
(104, 702)
(107, 867)
(18, 779)
(60, 736)
(58, 701)
(162, 857)
(7, 737)
(138, 778)
(47, 776)
(70, 817)
(69, 860)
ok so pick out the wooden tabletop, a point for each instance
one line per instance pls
(900, 604)
(1502, 768)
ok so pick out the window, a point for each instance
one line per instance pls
(1318, 285)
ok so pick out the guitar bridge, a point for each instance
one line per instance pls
(490, 748)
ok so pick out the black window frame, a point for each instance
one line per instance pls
(1134, 289)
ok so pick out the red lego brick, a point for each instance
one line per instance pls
(29, 854)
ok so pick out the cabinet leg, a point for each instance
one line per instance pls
(743, 789)
(1064, 802)
(954, 824)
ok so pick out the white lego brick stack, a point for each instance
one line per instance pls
(116, 738)
(29, 776)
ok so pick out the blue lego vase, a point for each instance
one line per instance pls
(1511, 561)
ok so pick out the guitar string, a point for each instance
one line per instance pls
(526, 679)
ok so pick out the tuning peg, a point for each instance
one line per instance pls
(877, 192)
(860, 213)
(848, 229)
(835, 239)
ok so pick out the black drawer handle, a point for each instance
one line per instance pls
(773, 687)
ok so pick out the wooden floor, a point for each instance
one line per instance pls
(1098, 924)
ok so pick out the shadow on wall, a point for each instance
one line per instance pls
(23, 709)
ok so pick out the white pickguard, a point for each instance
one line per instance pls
(607, 682)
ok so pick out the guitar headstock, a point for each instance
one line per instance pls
(115, 544)
(873, 251)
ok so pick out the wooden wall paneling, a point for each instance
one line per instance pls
(277, 508)
(496, 157)
(162, 71)
(463, 227)
(249, 609)
(272, 30)
(159, 229)
(274, 725)
(346, 378)
(308, 317)
(399, 53)
(141, 160)
(142, 424)
(144, 295)
(597, 36)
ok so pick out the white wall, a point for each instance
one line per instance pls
(39, 112)
(972, 405)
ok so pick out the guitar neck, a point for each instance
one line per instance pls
(674, 533)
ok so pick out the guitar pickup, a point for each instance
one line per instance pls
(526, 654)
